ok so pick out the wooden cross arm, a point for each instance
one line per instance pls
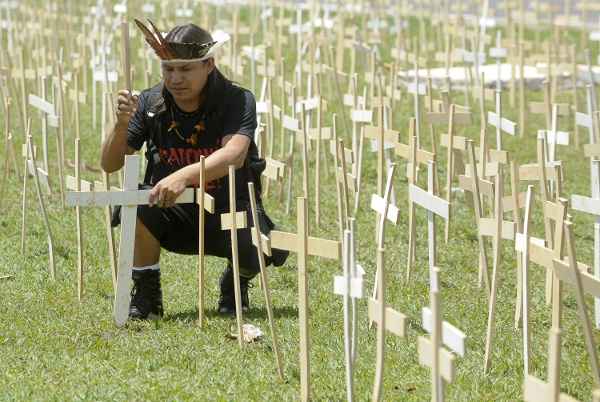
(423, 157)
(487, 227)
(374, 132)
(508, 203)
(274, 169)
(326, 133)
(84, 185)
(41, 104)
(507, 126)
(452, 337)
(584, 120)
(209, 201)
(395, 322)
(585, 204)
(361, 116)
(125, 198)
(461, 119)
(330, 249)
(241, 221)
(486, 187)
(536, 390)
(459, 143)
(378, 205)
(591, 151)
(531, 172)
(589, 283)
(491, 168)
(355, 290)
(429, 201)
(426, 350)
(265, 242)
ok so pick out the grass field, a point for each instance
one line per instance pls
(53, 347)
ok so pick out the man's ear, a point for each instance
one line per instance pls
(210, 64)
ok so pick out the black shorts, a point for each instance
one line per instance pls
(176, 229)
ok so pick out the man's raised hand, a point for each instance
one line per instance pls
(126, 106)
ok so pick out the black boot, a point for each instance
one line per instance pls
(146, 296)
(227, 298)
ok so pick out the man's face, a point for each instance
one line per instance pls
(185, 80)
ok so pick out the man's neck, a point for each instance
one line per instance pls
(191, 105)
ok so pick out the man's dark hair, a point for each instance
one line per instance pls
(216, 82)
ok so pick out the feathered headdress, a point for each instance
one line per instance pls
(174, 51)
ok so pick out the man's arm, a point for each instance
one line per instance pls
(216, 165)
(115, 147)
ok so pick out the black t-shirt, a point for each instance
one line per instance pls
(176, 139)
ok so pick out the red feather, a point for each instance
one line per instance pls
(163, 43)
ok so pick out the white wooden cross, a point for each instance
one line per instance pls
(434, 205)
(502, 124)
(591, 205)
(305, 246)
(233, 221)
(350, 287)
(431, 351)
(129, 198)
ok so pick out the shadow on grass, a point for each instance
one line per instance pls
(253, 313)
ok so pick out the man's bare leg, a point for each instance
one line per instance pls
(147, 248)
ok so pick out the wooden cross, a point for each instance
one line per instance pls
(502, 124)
(498, 229)
(453, 144)
(472, 184)
(350, 287)
(431, 351)
(591, 205)
(129, 198)
(536, 250)
(48, 118)
(232, 221)
(305, 246)
(387, 319)
(31, 157)
(434, 205)
(569, 272)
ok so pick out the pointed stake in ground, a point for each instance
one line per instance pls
(233, 221)
(205, 203)
(263, 246)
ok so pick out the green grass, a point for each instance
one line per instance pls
(53, 347)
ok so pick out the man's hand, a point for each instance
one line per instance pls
(166, 191)
(126, 106)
